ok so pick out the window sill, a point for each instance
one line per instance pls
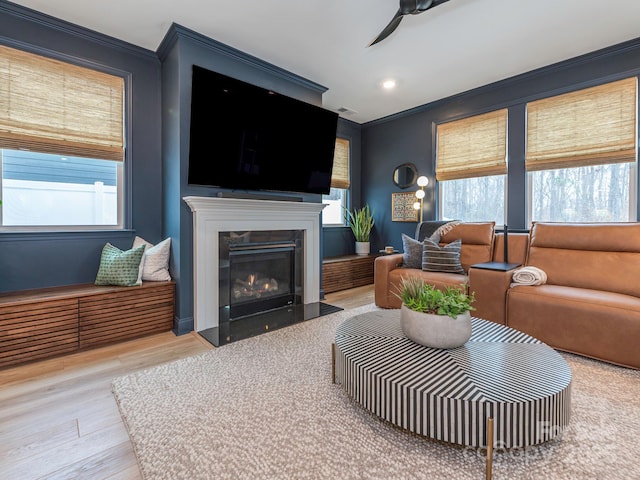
(16, 236)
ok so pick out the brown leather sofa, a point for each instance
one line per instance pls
(590, 304)
(477, 247)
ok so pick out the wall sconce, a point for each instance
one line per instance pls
(418, 205)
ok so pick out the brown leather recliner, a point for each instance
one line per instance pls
(590, 304)
(477, 247)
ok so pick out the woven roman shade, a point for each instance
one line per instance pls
(54, 107)
(340, 173)
(472, 147)
(588, 127)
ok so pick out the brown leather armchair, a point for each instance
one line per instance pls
(477, 247)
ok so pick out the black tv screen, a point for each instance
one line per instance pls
(245, 137)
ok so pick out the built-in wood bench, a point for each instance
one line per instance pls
(347, 271)
(37, 324)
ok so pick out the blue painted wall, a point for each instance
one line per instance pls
(158, 99)
(409, 136)
(339, 240)
(179, 51)
(34, 260)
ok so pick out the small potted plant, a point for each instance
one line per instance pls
(361, 223)
(432, 317)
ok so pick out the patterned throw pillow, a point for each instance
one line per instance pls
(119, 267)
(442, 259)
(411, 252)
(155, 261)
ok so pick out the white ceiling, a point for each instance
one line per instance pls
(451, 48)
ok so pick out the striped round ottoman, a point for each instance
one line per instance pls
(520, 383)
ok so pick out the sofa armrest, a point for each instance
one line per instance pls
(381, 268)
(490, 288)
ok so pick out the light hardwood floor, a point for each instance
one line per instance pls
(58, 417)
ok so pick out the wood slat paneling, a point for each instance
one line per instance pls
(31, 330)
(341, 273)
(110, 317)
(37, 324)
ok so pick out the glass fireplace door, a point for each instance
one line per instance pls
(261, 277)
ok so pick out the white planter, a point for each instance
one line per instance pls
(363, 248)
(436, 331)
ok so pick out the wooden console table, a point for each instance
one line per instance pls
(348, 271)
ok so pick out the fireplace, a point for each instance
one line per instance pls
(213, 215)
(259, 271)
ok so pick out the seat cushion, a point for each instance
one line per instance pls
(595, 323)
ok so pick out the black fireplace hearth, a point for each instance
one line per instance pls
(265, 322)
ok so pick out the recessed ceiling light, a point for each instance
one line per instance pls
(389, 84)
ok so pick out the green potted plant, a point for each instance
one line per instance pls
(361, 223)
(433, 317)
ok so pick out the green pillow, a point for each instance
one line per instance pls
(119, 267)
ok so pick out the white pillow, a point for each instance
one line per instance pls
(154, 266)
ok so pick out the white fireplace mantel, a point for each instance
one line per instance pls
(212, 215)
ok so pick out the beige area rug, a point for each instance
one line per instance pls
(265, 408)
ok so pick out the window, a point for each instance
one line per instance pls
(595, 193)
(474, 199)
(50, 190)
(61, 143)
(336, 201)
(471, 168)
(581, 155)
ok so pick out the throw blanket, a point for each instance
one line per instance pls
(529, 276)
(446, 228)
(434, 229)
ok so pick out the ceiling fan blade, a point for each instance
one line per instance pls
(408, 6)
(422, 5)
(438, 2)
(388, 30)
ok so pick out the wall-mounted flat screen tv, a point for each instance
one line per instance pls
(244, 137)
